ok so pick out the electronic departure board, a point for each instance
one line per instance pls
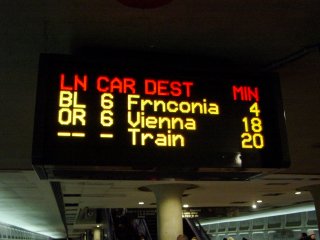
(131, 113)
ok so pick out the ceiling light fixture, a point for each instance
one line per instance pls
(185, 205)
(141, 203)
(297, 193)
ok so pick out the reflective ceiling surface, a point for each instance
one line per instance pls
(283, 35)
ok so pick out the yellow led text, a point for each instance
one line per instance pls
(71, 112)
(184, 107)
(252, 136)
(143, 121)
(106, 114)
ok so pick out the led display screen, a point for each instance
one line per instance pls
(118, 111)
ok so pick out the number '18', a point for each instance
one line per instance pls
(255, 124)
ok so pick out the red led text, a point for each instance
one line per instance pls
(245, 93)
(78, 83)
(116, 84)
(167, 88)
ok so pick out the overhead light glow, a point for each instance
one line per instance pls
(254, 206)
(185, 205)
(278, 212)
(29, 227)
(297, 193)
(141, 203)
(238, 160)
(259, 201)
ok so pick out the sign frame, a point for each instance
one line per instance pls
(172, 69)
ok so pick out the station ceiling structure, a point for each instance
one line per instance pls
(282, 36)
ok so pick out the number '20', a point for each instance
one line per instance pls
(254, 140)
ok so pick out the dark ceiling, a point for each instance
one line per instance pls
(282, 35)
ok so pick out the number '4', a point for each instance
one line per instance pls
(254, 108)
